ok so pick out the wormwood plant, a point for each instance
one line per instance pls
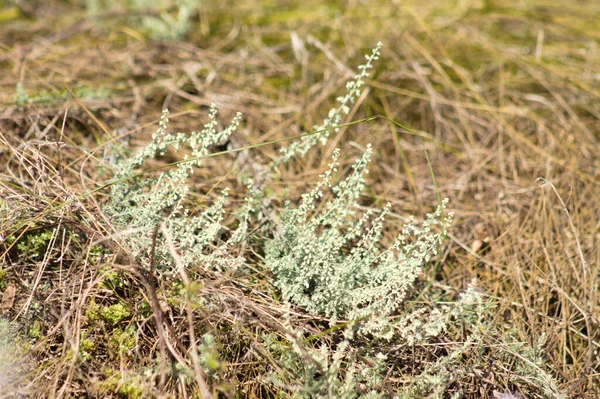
(318, 372)
(334, 116)
(329, 261)
(173, 22)
(325, 256)
(348, 371)
(139, 204)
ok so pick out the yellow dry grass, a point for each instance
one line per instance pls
(506, 93)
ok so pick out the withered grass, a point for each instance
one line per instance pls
(507, 97)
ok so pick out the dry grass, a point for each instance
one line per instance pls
(507, 94)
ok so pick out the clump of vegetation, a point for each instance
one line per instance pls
(369, 282)
(113, 314)
(140, 204)
(327, 261)
(172, 22)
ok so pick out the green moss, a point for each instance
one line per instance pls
(122, 341)
(86, 346)
(114, 314)
(92, 312)
(112, 279)
(2, 277)
(35, 244)
(128, 386)
(131, 391)
(144, 309)
(35, 330)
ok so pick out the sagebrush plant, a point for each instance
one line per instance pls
(324, 257)
(311, 266)
(139, 204)
(348, 371)
(323, 372)
(334, 116)
(168, 25)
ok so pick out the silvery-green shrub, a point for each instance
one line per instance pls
(328, 259)
(325, 256)
(334, 117)
(138, 204)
